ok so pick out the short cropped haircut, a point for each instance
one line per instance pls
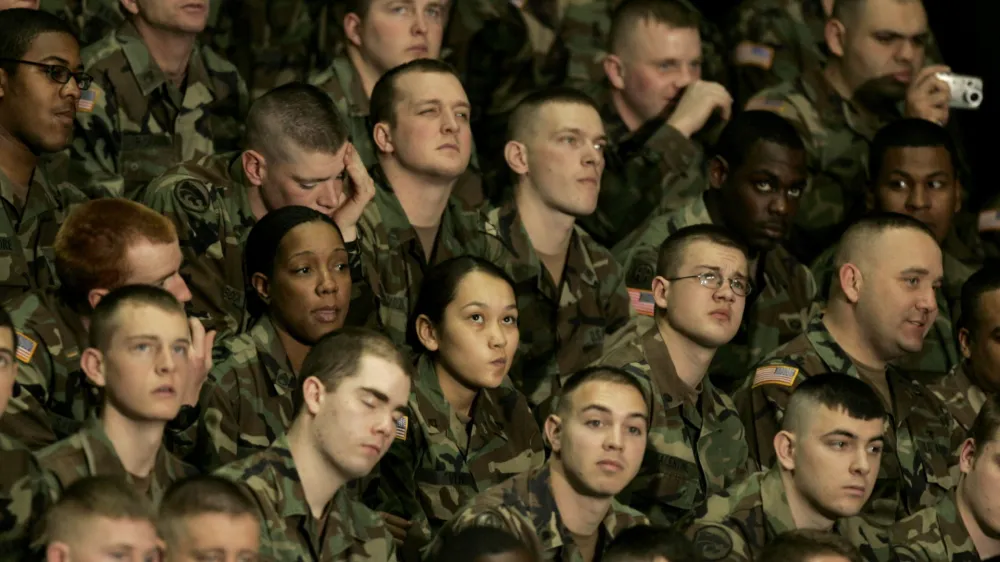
(643, 543)
(747, 129)
(472, 542)
(527, 110)
(987, 423)
(908, 133)
(89, 498)
(104, 321)
(18, 29)
(627, 16)
(671, 253)
(597, 373)
(801, 545)
(836, 391)
(338, 355)
(382, 106)
(863, 232)
(92, 244)
(201, 495)
(984, 281)
(294, 117)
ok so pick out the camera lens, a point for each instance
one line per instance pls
(973, 97)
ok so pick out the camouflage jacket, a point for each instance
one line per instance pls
(524, 506)
(91, 453)
(52, 397)
(962, 397)
(246, 402)
(346, 532)
(24, 497)
(777, 311)
(933, 534)
(342, 82)
(90, 20)
(735, 525)
(133, 123)
(697, 445)
(922, 440)
(442, 460)
(563, 327)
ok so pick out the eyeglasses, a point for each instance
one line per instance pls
(712, 280)
(58, 73)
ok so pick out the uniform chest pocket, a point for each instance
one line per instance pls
(146, 155)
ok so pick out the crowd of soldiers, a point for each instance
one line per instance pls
(491, 280)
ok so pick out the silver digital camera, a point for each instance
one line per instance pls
(966, 91)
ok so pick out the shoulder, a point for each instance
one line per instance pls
(234, 352)
(62, 453)
(216, 63)
(104, 54)
(191, 188)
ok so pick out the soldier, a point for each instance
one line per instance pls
(421, 127)
(697, 444)
(350, 402)
(881, 307)
(828, 453)
(964, 524)
(571, 292)
(645, 543)
(807, 545)
(298, 265)
(913, 170)
(468, 428)
(757, 178)
(41, 80)
(208, 518)
(296, 153)
(567, 508)
(103, 245)
(837, 111)
(653, 100)
(139, 342)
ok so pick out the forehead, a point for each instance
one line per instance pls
(417, 87)
(656, 40)
(222, 528)
(379, 374)
(136, 532)
(902, 16)
(826, 419)
(916, 160)
(481, 286)
(6, 339)
(54, 44)
(988, 308)
(774, 156)
(621, 399)
(313, 163)
(313, 235)
(136, 318)
(900, 249)
(712, 254)
(554, 116)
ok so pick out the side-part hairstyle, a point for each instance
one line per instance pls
(908, 133)
(104, 320)
(18, 29)
(986, 280)
(473, 542)
(88, 498)
(382, 106)
(201, 495)
(599, 373)
(92, 245)
(644, 543)
(627, 16)
(746, 129)
(802, 545)
(987, 423)
(671, 253)
(865, 230)
(439, 288)
(294, 117)
(836, 391)
(338, 355)
(527, 109)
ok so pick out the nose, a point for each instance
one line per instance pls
(779, 203)
(614, 438)
(917, 198)
(497, 336)
(449, 123)
(71, 89)
(179, 288)
(419, 24)
(688, 74)
(330, 197)
(907, 51)
(861, 465)
(327, 282)
(165, 362)
(385, 427)
(725, 292)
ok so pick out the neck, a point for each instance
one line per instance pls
(171, 50)
(631, 120)
(459, 396)
(295, 350)
(320, 482)
(423, 198)
(836, 79)
(846, 331)
(16, 160)
(135, 443)
(986, 546)
(690, 360)
(581, 514)
(368, 74)
(804, 516)
(550, 230)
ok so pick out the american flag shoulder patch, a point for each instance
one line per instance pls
(88, 98)
(749, 53)
(642, 301)
(402, 426)
(989, 221)
(775, 374)
(26, 348)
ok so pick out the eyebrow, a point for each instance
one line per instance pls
(606, 410)
(719, 270)
(916, 271)
(59, 60)
(382, 397)
(301, 179)
(484, 305)
(579, 132)
(439, 101)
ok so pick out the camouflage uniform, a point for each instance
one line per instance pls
(962, 397)
(696, 442)
(91, 453)
(524, 506)
(922, 441)
(24, 497)
(133, 123)
(91, 20)
(563, 327)
(776, 312)
(735, 525)
(347, 531)
(933, 534)
(443, 459)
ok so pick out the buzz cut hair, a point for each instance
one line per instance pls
(630, 13)
(672, 251)
(104, 322)
(986, 425)
(294, 117)
(526, 112)
(385, 94)
(980, 283)
(596, 373)
(201, 495)
(836, 391)
(860, 235)
(87, 499)
(803, 545)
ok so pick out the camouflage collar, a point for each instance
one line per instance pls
(103, 460)
(426, 388)
(664, 373)
(238, 188)
(829, 351)
(39, 197)
(349, 80)
(272, 355)
(774, 502)
(147, 74)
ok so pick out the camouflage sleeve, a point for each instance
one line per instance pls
(761, 409)
(638, 254)
(617, 305)
(26, 417)
(497, 516)
(871, 541)
(25, 492)
(714, 541)
(397, 490)
(94, 163)
(917, 539)
(362, 310)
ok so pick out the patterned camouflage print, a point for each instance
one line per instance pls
(524, 506)
(735, 525)
(133, 123)
(24, 496)
(346, 532)
(697, 445)
(563, 328)
(91, 20)
(52, 397)
(934, 534)
(343, 84)
(922, 440)
(91, 453)
(445, 459)
(776, 312)
(962, 397)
